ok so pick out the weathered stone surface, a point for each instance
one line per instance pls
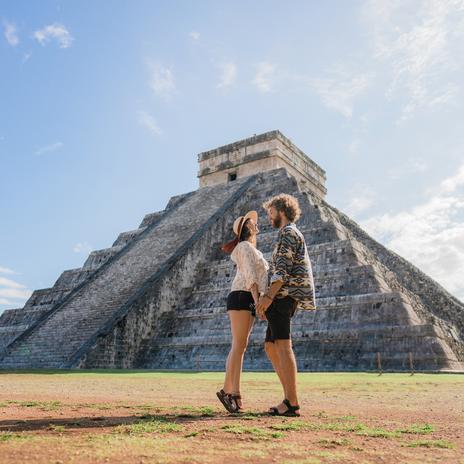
(156, 297)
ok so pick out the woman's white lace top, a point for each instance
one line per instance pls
(251, 267)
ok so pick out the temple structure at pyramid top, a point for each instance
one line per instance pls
(155, 298)
(263, 152)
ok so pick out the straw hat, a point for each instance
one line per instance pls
(240, 221)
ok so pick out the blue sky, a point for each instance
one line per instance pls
(105, 105)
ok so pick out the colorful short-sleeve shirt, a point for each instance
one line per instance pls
(291, 264)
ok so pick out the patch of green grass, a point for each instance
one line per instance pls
(420, 429)
(150, 424)
(431, 444)
(329, 454)
(10, 436)
(292, 426)
(255, 432)
(202, 411)
(346, 418)
(358, 428)
(56, 428)
(7, 436)
(202, 431)
(376, 432)
(302, 461)
(334, 442)
(43, 405)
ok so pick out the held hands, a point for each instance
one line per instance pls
(263, 304)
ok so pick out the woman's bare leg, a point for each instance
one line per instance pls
(236, 381)
(241, 323)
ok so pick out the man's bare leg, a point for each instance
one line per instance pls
(288, 369)
(273, 355)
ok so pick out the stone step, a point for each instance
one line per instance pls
(387, 335)
(343, 349)
(324, 257)
(125, 237)
(335, 314)
(313, 233)
(348, 280)
(56, 339)
(374, 300)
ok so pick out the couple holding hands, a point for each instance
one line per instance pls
(273, 292)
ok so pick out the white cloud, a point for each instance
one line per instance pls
(360, 199)
(228, 75)
(421, 45)
(452, 183)
(195, 35)
(11, 292)
(50, 148)
(11, 34)
(431, 234)
(264, 77)
(56, 32)
(6, 270)
(162, 80)
(148, 121)
(412, 165)
(340, 89)
(82, 247)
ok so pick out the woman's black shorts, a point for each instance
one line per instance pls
(241, 299)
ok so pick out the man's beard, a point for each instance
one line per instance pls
(276, 222)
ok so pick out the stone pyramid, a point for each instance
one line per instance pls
(156, 298)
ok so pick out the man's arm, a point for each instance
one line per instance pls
(274, 288)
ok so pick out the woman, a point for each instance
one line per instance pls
(249, 283)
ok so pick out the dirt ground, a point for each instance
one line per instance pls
(174, 417)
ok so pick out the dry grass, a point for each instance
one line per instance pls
(175, 417)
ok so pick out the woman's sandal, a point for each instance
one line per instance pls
(227, 400)
(292, 411)
(235, 397)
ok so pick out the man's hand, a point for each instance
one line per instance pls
(263, 304)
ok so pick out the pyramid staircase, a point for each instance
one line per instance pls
(156, 298)
(363, 311)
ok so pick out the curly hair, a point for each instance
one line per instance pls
(286, 203)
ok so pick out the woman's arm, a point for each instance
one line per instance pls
(254, 292)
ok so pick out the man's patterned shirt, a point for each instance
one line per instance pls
(291, 264)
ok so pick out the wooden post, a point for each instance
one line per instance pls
(411, 365)
(379, 363)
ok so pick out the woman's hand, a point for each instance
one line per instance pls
(262, 306)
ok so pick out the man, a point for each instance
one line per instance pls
(290, 287)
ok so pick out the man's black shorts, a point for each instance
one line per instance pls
(278, 317)
(241, 299)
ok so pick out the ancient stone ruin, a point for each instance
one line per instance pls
(156, 298)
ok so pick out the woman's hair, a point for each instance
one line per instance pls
(245, 234)
(288, 204)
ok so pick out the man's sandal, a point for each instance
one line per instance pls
(292, 411)
(227, 400)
